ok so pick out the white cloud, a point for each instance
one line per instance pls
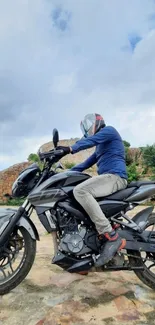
(61, 59)
(63, 84)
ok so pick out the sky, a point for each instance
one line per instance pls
(62, 59)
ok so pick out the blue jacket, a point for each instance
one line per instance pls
(109, 155)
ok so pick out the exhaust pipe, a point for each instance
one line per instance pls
(8, 226)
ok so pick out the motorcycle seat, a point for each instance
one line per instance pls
(119, 196)
(140, 183)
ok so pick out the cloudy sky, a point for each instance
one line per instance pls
(61, 59)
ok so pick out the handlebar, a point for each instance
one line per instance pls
(51, 154)
(58, 152)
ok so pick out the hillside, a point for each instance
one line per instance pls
(8, 176)
(133, 155)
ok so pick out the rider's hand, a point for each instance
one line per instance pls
(66, 150)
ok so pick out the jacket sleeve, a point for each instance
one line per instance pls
(104, 135)
(86, 164)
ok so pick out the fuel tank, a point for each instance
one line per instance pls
(50, 192)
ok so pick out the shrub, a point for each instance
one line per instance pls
(132, 173)
(13, 202)
(149, 156)
(126, 144)
(69, 165)
(33, 157)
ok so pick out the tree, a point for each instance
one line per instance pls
(126, 144)
(127, 155)
(33, 157)
(149, 156)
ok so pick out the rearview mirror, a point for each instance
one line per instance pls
(55, 137)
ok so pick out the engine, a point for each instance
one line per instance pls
(75, 237)
(74, 242)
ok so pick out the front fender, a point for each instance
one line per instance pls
(29, 226)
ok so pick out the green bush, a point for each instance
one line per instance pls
(13, 202)
(33, 157)
(69, 165)
(152, 177)
(145, 170)
(126, 144)
(149, 156)
(132, 173)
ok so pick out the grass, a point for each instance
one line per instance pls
(13, 202)
(69, 165)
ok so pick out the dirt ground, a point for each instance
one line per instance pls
(50, 296)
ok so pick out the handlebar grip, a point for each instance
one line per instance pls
(58, 152)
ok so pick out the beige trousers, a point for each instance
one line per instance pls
(95, 187)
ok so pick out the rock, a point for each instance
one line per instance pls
(65, 279)
(68, 313)
(127, 310)
(116, 288)
(131, 317)
(87, 289)
(122, 303)
(41, 322)
(53, 300)
(4, 314)
(100, 313)
(143, 307)
(144, 295)
(41, 277)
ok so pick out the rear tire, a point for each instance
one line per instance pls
(146, 276)
(29, 256)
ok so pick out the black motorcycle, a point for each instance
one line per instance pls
(76, 243)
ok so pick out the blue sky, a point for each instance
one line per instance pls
(60, 60)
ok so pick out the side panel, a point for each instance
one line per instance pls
(142, 193)
(49, 192)
(48, 218)
(47, 198)
(110, 208)
(66, 178)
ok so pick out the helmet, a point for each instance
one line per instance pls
(91, 124)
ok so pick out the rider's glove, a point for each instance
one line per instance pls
(66, 150)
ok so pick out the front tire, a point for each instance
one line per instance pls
(28, 258)
(146, 276)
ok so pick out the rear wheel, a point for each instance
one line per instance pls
(147, 260)
(16, 260)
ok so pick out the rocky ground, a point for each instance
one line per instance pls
(49, 296)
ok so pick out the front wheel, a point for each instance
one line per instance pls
(16, 260)
(146, 260)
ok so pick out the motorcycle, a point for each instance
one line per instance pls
(75, 239)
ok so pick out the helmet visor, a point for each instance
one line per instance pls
(88, 124)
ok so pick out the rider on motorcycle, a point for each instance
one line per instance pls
(112, 177)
